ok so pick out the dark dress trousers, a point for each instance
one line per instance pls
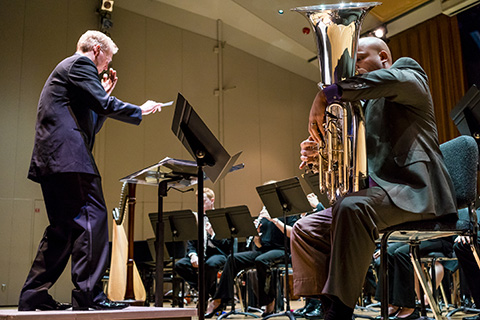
(72, 108)
(468, 264)
(332, 249)
(216, 252)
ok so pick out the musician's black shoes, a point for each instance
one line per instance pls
(316, 314)
(299, 312)
(310, 305)
(215, 310)
(414, 316)
(266, 314)
(105, 304)
(48, 306)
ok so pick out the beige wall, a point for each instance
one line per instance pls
(264, 115)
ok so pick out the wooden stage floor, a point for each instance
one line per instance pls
(130, 313)
(167, 312)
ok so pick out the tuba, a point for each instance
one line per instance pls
(342, 162)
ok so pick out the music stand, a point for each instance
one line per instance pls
(232, 222)
(284, 198)
(466, 113)
(210, 156)
(166, 174)
(182, 225)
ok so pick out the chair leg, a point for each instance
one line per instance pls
(475, 252)
(444, 297)
(432, 282)
(384, 274)
(414, 256)
(238, 279)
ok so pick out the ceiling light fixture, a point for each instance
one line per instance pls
(107, 5)
(380, 32)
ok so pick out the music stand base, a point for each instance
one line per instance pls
(464, 310)
(287, 313)
(225, 315)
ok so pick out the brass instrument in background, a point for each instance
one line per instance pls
(342, 154)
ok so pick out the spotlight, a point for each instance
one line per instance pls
(380, 32)
(107, 5)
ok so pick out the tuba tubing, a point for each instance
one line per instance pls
(342, 157)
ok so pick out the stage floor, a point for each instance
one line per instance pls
(130, 313)
(167, 312)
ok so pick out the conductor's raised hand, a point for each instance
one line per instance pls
(151, 107)
(317, 117)
(109, 80)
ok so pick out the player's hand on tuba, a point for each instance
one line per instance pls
(309, 154)
(317, 117)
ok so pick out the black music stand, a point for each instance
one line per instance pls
(182, 225)
(284, 198)
(232, 222)
(466, 114)
(210, 156)
(166, 174)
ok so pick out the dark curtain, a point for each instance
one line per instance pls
(435, 44)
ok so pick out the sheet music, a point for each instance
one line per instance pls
(166, 169)
(183, 173)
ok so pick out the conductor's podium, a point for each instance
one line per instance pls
(130, 313)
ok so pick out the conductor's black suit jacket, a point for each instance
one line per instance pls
(72, 108)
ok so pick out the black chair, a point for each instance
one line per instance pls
(461, 160)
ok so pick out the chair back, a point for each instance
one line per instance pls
(461, 159)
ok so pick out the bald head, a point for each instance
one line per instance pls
(373, 54)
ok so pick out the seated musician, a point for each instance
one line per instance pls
(216, 251)
(332, 249)
(403, 286)
(269, 249)
(468, 264)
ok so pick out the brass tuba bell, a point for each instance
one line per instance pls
(342, 155)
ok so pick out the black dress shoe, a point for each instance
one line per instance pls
(310, 305)
(54, 305)
(105, 304)
(390, 315)
(316, 314)
(266, 314)
(298, 313)
(109, 305)
(48, 306)
(414, 316)
(367, 301)
(220, 308)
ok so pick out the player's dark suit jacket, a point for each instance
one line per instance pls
(72, 108)
(403, 158)
(406, 162)
(220, 246)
